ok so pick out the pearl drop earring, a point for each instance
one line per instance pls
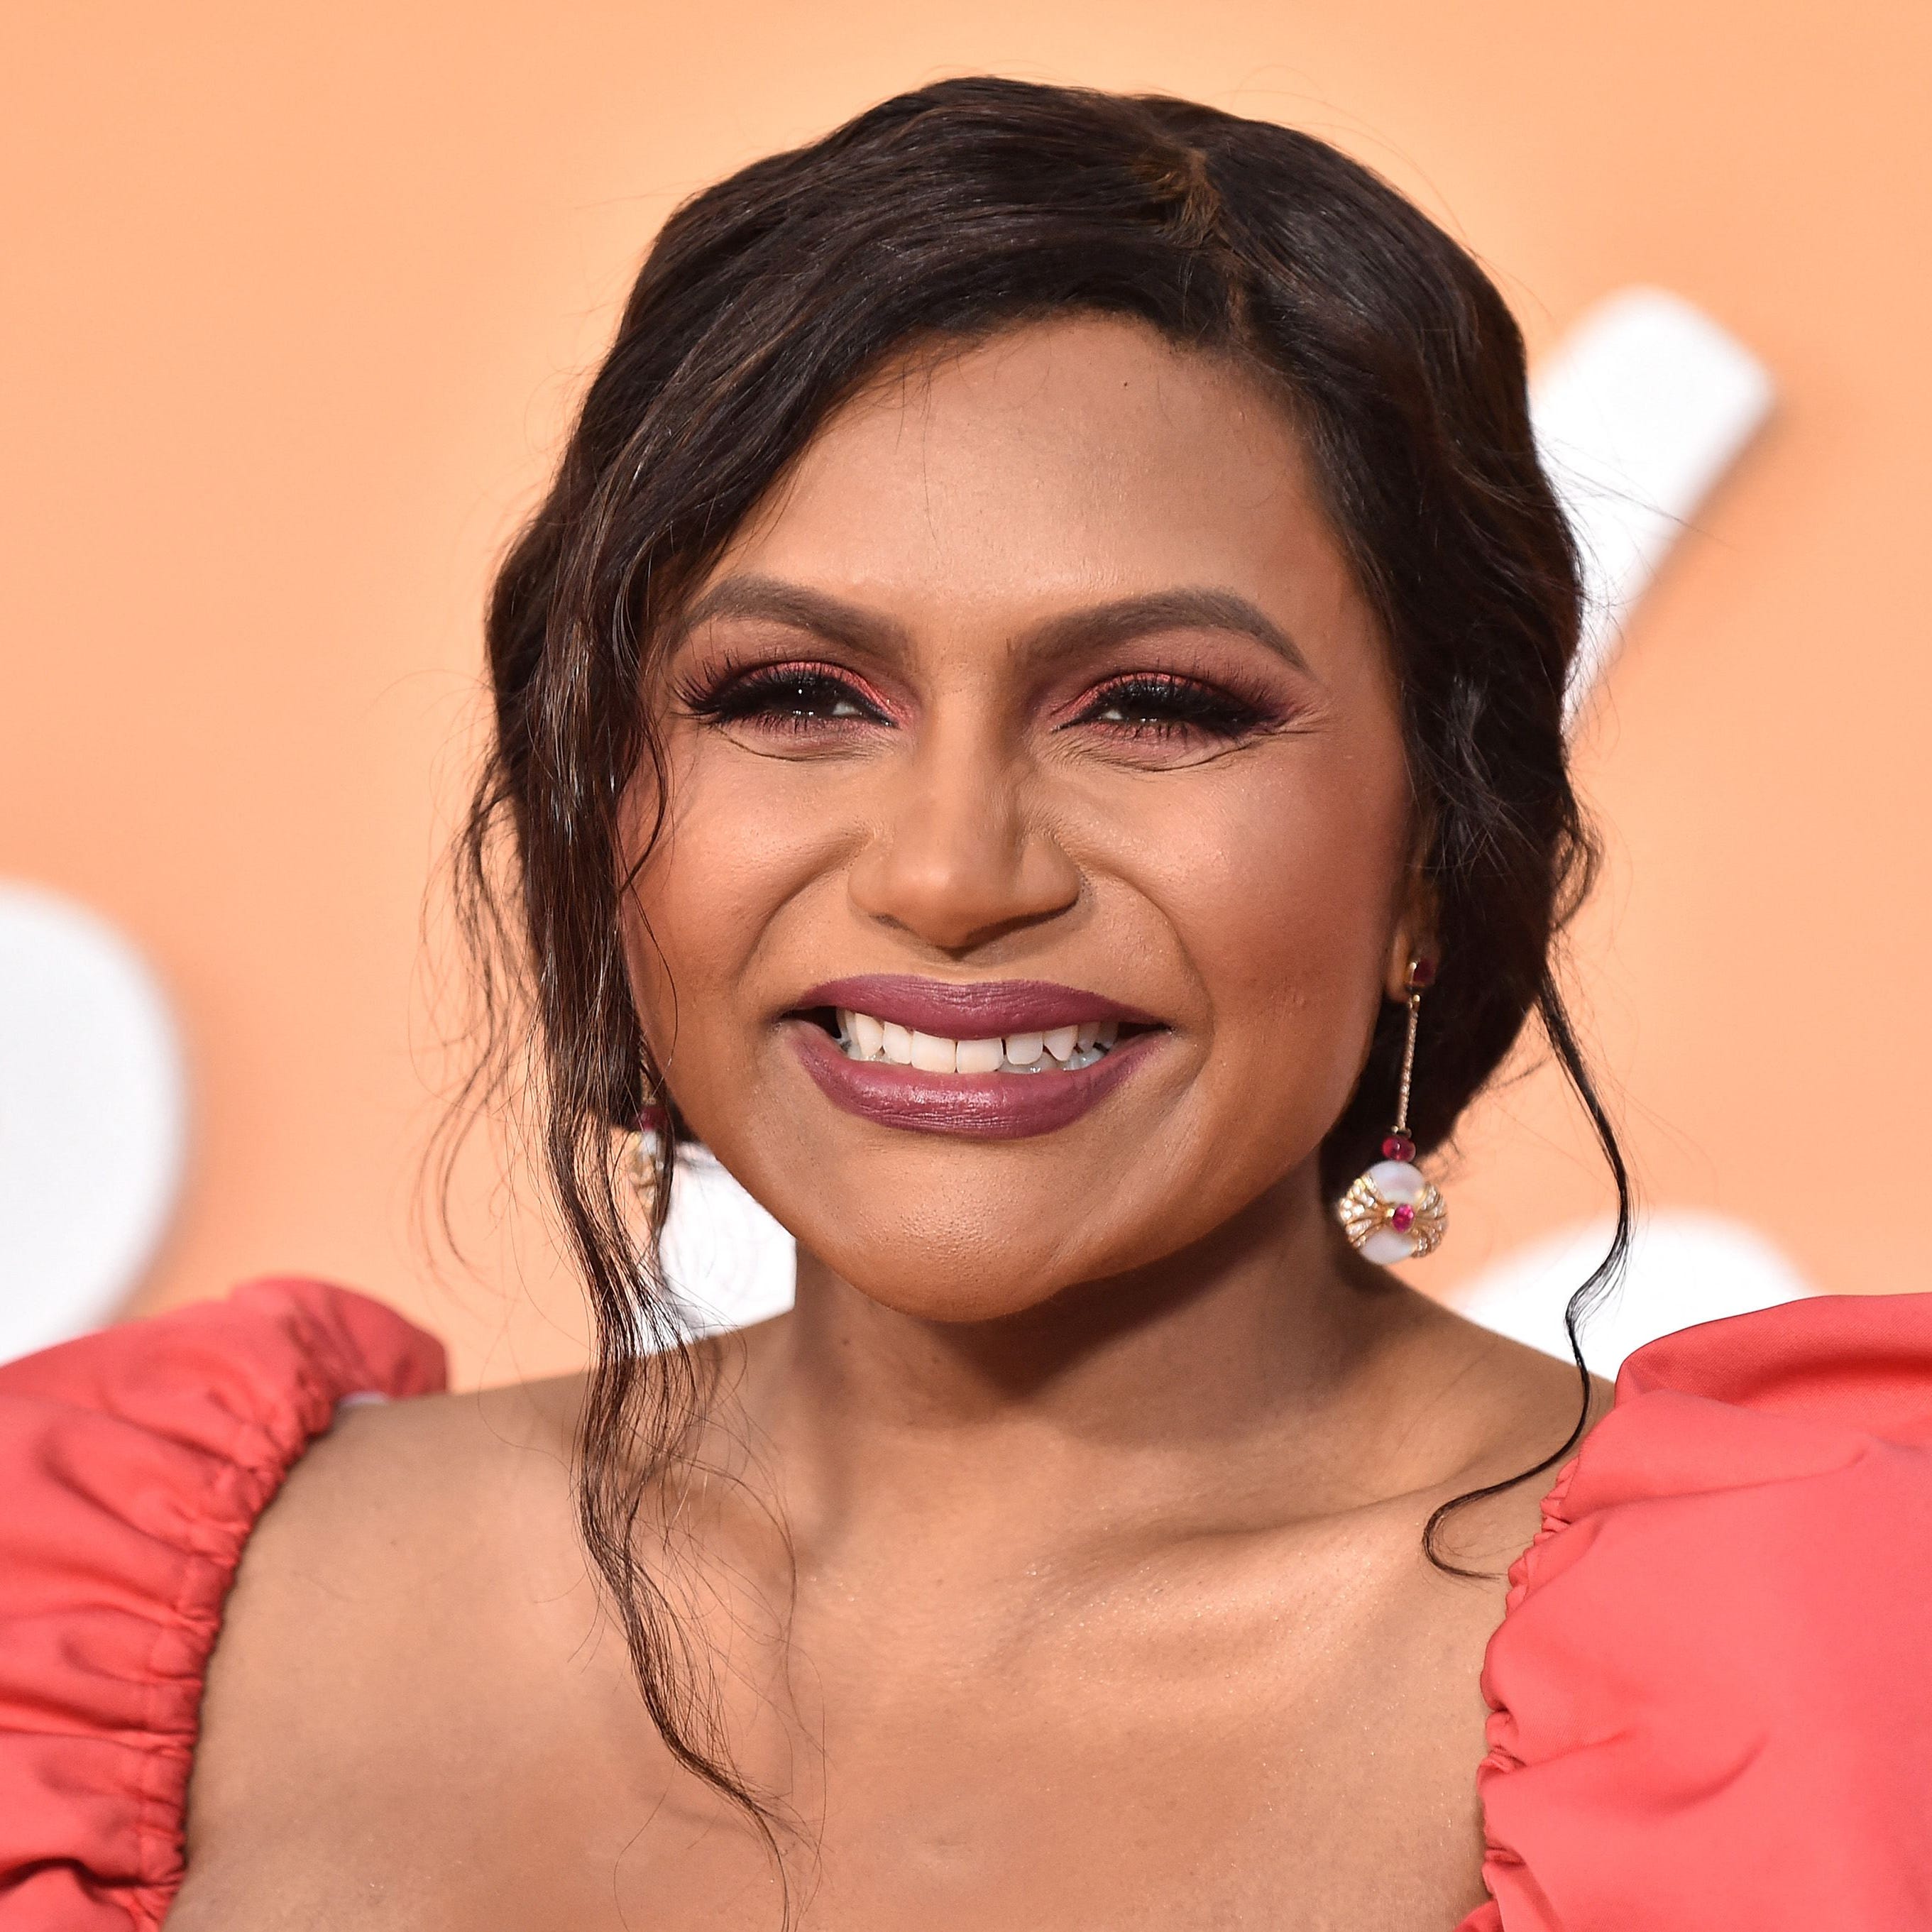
(1394, 1211)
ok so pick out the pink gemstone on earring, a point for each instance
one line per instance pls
(1398, 1146)
(1402, 1218)
(1422, 974)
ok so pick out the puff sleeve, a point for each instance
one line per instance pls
(1710, 1693)
(133, 1463)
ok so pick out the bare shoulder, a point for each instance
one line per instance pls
(410, 1486)
(416, 1680)
(410, 1534)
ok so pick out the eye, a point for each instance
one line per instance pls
(784, 698)
(1160, 705)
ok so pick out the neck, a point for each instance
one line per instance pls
(1225, 1372)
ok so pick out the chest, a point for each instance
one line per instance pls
(1180, 1751)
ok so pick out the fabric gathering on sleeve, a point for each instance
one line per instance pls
(1710, 1701)
(134, 1464)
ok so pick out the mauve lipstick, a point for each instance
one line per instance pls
(979, 1106)
(982, 1009)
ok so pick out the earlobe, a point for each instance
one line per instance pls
(1395, 968)
(1414, 935)
(1413, 945)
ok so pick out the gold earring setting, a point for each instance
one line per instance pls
(1394, 1212)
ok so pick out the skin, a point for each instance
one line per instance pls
(1101, 1463)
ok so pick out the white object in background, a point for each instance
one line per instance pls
(728, 1262)
(93, 1119)
(1685, 1267)
(1639, 412)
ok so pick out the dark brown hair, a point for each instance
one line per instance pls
(968, 207)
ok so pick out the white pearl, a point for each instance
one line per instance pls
(1397, 1181)
(1387, 1245)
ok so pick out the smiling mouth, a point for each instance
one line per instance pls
(1067, 1048)
(1017, 1057)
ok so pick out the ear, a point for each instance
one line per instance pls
(1414, 935)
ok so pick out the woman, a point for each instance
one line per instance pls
(1030, 723)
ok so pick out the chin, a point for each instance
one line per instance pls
(967, 1280)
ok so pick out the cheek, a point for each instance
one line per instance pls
(733, 857)
(1281, 885)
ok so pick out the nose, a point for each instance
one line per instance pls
(960, 857)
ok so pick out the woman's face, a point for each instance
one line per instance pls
(1037, 708)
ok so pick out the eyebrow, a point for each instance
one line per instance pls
(777, 602)
(1118, 621)
(1185, 609)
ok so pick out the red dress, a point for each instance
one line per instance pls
(1711, 1701)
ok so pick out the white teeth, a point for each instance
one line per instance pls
(931, 1054)
(1048, 1050)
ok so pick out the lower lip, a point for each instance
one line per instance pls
(977, 1106)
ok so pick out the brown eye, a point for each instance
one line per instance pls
(787, 698)
(1163, 706)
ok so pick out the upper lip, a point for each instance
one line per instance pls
(969, 1010)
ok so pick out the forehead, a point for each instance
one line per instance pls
(1076, 459)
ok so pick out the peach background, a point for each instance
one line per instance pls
(297, 301)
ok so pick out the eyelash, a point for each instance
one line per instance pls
(735, 696)
(783, 698)
(1185, 705)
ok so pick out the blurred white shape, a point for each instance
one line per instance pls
(93, 1119)
(1639, 413)
(1685, 1267)
(728, 1262)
